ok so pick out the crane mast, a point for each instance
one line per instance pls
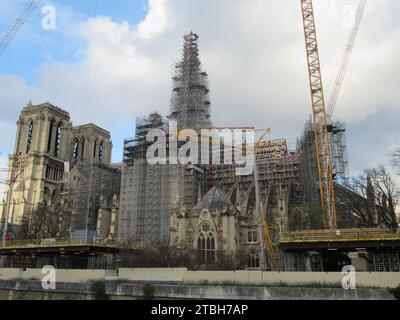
(320, 123)
(266, 246)
(10, 33)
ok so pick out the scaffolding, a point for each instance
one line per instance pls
(143, 203)
(340, 162)
(386, 261)
(309, 172)
(190, 102)
(91, 185)
(278, 176)
(280, 192)
(149, 192)
(135, 147)
(272, 149)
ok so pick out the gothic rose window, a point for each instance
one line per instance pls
(206, 244)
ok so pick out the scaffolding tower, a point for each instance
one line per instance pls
(150, 191)
(308, 166)
(190, 102)
(135, 147)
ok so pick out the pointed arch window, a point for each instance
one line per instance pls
(50, 135)
(206, 244)
(58, 140)
(75, 150)
(101, 151)
(94, 149)
(30, 133)
(83, 150)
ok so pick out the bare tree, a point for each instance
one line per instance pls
(386, 195)
(373, 197)
(161, 255)
(395, 159)
(49, 221)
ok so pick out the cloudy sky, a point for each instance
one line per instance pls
(108, 62)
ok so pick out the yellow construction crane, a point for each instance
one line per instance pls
(320, 122)
(266, 247)
(346, 58)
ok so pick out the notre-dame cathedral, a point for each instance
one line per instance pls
(66, 186)
(63, 176)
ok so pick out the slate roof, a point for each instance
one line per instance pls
(215, 198)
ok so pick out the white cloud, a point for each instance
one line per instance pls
(104, 37)
(253, 52)
(15, 93)
(155, 22)
(112, 81)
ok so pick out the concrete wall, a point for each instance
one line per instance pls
(8, 274)
(204, 292)
(243, 277)
(153, 274)
(247, 277)
(363, 279)
(66, 276)
(32, 290)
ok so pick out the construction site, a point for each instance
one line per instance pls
(293, 190)
(287, 215)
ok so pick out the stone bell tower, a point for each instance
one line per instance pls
(40, 152)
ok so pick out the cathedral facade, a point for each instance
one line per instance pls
(54, 164)
(215, 227)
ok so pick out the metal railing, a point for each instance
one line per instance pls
(74, 242)
(57, 243)
(339, 235)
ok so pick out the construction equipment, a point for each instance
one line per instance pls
(267, 243)
(11, 32)
(346, 58)
(266, 246)
(320, 123)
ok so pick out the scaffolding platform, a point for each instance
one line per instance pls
(339, 238)
(59, 246)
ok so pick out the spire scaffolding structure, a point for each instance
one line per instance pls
(190, 103)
